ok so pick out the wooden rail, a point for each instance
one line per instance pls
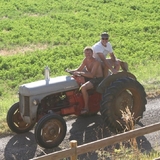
(92, 146)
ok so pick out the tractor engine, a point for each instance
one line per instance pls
(70, 102)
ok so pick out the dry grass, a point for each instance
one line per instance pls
(127, 150)
(24, 49)
(4, 129)
(153, 94)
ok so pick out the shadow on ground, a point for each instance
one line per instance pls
(88, 129)
(20, 147)
(83, 130)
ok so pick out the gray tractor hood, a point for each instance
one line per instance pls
(53, 85)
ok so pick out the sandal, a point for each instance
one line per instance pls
(84, 111)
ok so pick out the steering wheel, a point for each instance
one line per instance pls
(69, 71)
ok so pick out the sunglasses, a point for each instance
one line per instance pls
(104, 38)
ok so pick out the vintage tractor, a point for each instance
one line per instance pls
(46, 102)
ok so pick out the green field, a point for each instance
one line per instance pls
(38, 33)
(34, 34)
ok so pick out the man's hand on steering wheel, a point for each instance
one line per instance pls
(69, 71)
(77, 73)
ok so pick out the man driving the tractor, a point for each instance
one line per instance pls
(93, 73)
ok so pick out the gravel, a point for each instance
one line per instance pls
(82, 129)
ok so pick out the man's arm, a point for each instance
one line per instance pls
(106, 63)
(103, 59)
(112, 56)
(93, 72)
(80, 68)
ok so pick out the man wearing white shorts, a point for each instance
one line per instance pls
(100, 51)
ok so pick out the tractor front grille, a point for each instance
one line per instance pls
(24, 105)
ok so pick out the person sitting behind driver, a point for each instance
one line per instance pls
(93, 71)
(103, 48)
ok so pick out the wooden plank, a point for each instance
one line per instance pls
(92, 146)
(56, 155)
(117, 138)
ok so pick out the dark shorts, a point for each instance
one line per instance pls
(96, 81)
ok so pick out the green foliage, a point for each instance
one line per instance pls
(128, 153)
(54, 33)
(64, 28)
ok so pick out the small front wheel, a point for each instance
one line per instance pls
(15, 121)
(50, 131)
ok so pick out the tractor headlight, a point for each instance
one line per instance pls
(35, 102)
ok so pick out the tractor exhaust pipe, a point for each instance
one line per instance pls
(46, 74)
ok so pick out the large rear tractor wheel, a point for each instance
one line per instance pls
(50, 131)
(15, 121)
(122, 96)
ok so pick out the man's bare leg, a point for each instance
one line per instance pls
(84, 88)
(105, 70)
(116, 65)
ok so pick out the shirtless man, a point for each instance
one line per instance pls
(93, 72)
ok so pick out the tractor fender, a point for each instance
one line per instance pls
(108, 80)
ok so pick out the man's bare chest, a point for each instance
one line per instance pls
(90, 66)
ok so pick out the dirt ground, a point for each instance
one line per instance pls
(83, 130)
